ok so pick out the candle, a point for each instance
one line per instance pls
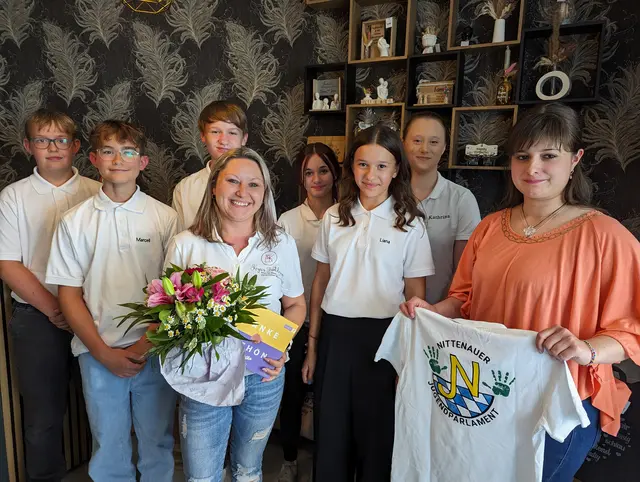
(507, 58)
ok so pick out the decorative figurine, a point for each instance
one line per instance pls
(325, 103)
(367, 96)
(466, 35)
(383, 46)
(383, 89)
(335, 103)
(367, 41)
(429, 39)
(317, 103)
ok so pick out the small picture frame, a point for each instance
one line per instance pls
(372, 32)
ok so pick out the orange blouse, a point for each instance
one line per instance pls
(584, 276)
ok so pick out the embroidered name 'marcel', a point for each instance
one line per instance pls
(143, 240)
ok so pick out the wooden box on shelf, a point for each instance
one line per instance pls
(354, 109)
(403, 46)
(322, 4)
(454, 8)
(311, 75)
(454, 148)
(585, 94)
(455, 96)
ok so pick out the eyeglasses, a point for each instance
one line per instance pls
(127, 154)
(44, 142)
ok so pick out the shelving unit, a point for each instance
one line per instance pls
(408, 58)
(326, 4)
(453, 146)
(310, 73)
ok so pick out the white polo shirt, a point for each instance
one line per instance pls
(451, 214)
(278, 267)
(303, 226)
(29, 213)
(219, 380)
(112, 251)
(370, 260)
(188, 194)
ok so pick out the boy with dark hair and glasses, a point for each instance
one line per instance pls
(29, 212)
(103, 252)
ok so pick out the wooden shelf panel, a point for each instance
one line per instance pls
(430, 107)
(481, 168)
(484, 46)
(361, 106)
(325, 112)
(378, 60)
(326, 4)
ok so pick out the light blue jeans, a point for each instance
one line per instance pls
(205, 432)
(113, 403)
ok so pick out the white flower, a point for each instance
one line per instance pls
(228, 319)
(165, 326)
(171, 333)
(188, 326)
(200, 312)
(211, 304)
(171, 319)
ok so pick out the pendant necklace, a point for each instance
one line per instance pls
(531, 230)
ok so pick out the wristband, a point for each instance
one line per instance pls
(593, 353)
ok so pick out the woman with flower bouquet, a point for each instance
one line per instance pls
(235, 230)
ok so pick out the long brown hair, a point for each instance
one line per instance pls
(405, 205)
(328, 157)
(207, 223)
(560, 125)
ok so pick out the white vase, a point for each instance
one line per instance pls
(498, 30)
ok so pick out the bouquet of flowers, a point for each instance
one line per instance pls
(195, 306)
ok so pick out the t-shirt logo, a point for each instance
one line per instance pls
(269, 258)
(456, 388)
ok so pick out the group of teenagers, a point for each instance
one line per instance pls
(385, 232)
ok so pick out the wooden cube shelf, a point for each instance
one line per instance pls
(352, 112)
(455, 129)
(404, 47)
(454, 8)
(412, 82)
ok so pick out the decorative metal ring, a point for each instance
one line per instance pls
(564, 79)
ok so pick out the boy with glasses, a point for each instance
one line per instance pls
(29, 212)
(103, 253)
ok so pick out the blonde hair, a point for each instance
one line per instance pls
(207, 223)
(47, 117)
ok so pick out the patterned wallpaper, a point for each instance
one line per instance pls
(99, 59)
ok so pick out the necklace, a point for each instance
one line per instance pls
(531, 230)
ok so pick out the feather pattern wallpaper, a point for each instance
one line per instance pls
(99, 59)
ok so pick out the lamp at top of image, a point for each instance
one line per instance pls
(148, 6)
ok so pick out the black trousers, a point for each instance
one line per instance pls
(43, 360)
(354, 402)
(293, 397)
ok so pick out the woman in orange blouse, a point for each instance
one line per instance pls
(552, 264)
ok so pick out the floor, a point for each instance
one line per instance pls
(270, 467)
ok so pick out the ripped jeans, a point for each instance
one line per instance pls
(205, 430)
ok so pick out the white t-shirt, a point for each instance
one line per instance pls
(112, 251)
(474, 401)
(303, 226)
(451, 214)
(370, 260)
(29, 213)
(220, 381)
(188, 194)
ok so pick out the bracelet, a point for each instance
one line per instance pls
(593, 353)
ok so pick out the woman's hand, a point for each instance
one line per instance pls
(563, 345)
(408, 308)
(277, 367)
(309, 367)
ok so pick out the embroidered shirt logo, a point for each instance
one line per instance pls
(382, 240)
(143, 240)
(456, 387)
(269, 258)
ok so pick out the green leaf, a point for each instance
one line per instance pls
(164, 314)
(219, 278)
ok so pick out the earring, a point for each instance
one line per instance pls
(571, 175)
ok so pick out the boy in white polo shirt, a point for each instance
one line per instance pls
(103, 253)
(29, 212)
(223, 126)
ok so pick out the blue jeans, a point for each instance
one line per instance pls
(112, 404)
(562, 460)
(205, 432)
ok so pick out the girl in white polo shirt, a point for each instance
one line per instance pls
(235, 229)
(451, 211)
(318, 175)
(372, 250)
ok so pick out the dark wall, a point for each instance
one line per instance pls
(101, 59)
